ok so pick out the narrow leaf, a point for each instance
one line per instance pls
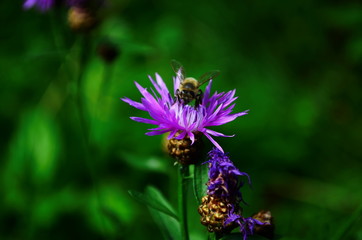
(169, 226)
(154, 199)
(345, 228)
(200, 180)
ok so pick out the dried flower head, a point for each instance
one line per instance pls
(180, 120)
(246, 225)
(224, 181)
(267, 229)
(223, 197)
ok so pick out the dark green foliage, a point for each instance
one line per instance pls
(155, 200)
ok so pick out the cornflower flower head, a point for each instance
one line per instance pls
(224, 181)
(220, 210)
(184, 121)
(45, 5)
(42, 5)
(246, 225)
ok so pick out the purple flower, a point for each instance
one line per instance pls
(224, 190)
(42, 5)
(224, 179)
(45, 5)
(246, 225)
(171, 116)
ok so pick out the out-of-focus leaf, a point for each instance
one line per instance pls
(110, 209)
(169, 226)
(154, 199)
(48, 207)
(344, 229)
(113, 217)
(148, 163)
(35, 147)
(200, 180)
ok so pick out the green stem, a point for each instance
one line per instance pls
(218, 236)
(182, 200)
(85, 47)
(79, 99)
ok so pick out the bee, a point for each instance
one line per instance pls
(189, 87)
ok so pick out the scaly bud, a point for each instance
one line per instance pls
(81, 19)
(183, 150)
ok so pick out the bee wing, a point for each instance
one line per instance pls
(208, 76)
(178, 69)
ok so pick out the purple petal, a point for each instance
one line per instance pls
(29, 3)
(217, 134)
(135, 104)
(153, 133)
(213, 142)
(144, 120)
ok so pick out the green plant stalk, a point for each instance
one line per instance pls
(182, 200)
(218, 236)
(85, 46)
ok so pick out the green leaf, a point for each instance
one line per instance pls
(200, 180)
(154, 199)
(145, 163)
(169, 226)
(347, 226)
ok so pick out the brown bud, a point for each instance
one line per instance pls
(266, 230)
(108, 52)
(81, 19)
(214, 212)
(183, 151)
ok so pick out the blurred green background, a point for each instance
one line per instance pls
(297, 65)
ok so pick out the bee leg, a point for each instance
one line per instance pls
(177, 96)
(198, 98)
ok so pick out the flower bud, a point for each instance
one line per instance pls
(267, 229)
(108, 52)
(214, 212)
(183, 150)
(81, 19)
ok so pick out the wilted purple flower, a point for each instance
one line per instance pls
(181, 120)
(246, 225)
(220, 210)
(224, 179)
